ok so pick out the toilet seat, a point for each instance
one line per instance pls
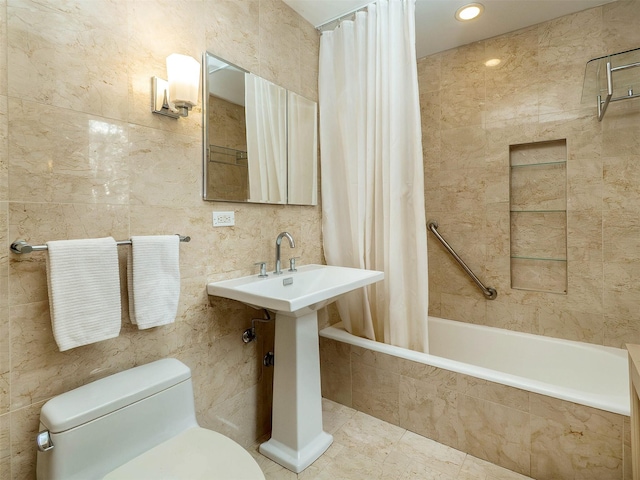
(195, 454)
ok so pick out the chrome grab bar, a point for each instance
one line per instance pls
(489, 292)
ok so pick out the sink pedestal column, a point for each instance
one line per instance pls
(297, 438)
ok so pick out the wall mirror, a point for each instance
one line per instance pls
(260, 140)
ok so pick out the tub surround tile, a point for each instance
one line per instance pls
(432, 411)
(619, 32)
(570, 325)
(622, 295)
(375, 392)
(493, 392)
(335, 368)
(620, 190)
(501, 313)
(590, 448)
(496, 433)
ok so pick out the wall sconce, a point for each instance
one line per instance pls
(179, 94)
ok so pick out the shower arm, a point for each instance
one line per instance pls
(488, 292)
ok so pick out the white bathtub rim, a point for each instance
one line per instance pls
(602, 402)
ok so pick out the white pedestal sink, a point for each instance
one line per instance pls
(297, 438)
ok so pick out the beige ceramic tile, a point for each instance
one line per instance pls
(172, 161)
(335, 415)
(4, 147)
(375, 392)
(5, 360)
(584, 236)
(429, 73)
(621, 292)
(571, 325)
(620, 191)
(24, 425)
(225, 37)
(494, 392)
(619, 32)
(369, 436)
(430, 455)
(431, 411)
(3, 47)
(4, 256)
(496, 433)
(620, 330)
(5, 447)
(309, 39)
(40, 370)
(39, 223)
(64, 156)
(590, 448)
(470, 309)
(147, 51)
(475, 469)
(462, 106)
(463, 66)
(241, 418)
(335, 370)
(69, 54)
(501, 313)
(279, 45)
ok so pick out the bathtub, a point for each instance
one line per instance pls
(547, 408)
(582, 373)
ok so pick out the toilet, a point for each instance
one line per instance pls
(138, 424)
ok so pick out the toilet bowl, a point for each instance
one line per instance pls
(135, 425)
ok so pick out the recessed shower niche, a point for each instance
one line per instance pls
(538, 216)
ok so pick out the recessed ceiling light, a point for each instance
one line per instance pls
(493, 62)
(469, 11)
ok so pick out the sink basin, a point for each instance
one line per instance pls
(295, 293)
(297, 435)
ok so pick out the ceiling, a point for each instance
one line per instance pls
(437, 29)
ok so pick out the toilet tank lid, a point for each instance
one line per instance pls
(108, 394)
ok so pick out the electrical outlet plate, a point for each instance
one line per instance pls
(224, 219)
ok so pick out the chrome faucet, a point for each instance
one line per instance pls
(292, 244)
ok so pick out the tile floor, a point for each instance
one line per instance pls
(367, 448)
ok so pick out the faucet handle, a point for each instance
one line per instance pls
(263, 269)
(292, 264)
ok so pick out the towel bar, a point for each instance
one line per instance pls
(21, 246)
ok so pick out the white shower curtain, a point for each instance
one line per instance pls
(372, 173)
(265, 110)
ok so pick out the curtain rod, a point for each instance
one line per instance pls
(336, 20)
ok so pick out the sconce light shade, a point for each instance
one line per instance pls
(179, 94)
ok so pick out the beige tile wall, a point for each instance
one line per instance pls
(82, 156)
(471, 114)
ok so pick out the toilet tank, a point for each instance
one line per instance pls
(104, 424)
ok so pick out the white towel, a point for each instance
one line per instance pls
(153, 277)
(84, 291)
